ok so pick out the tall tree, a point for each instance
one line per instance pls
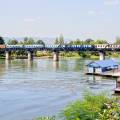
(61, 39)
(117, 40)
(56, 41)
(40, 42)
(100, 41)
(28, 41)
(2, 40)
(89, 41)
(13, 42)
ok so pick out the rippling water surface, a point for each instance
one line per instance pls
(43, 87)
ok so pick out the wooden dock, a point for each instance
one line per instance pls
(111, 73)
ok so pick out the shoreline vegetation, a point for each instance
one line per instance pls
(92, 107)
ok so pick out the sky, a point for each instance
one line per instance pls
(96, 19)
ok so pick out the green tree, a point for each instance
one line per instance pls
(99, 41)
(61, 39)
(117, 40)
(13, 42)
(56, 41)
(2, 40)
(89, 41)
(28, 41)
(40, 42)
(76, 42)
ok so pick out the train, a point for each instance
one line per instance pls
(97, 46)
(20, 46)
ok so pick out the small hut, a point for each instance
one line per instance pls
(100, 66)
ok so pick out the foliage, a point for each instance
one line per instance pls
(99, 41)
(56, 41)
(59, 40)
(87, 41)
(1, 41)
(28, 41)
(12, 42)
(76, 42)
(93, 107)
(40, 42)
(43, 53)
(117, 40)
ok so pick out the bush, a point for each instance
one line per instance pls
(93, 107)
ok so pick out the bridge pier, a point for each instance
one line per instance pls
(30, 55)
(7, 55)
(102, 55)
(55, 56)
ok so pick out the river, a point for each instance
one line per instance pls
(29, 89)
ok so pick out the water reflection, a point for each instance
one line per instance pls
(2, 69)
(56, 65)
(7, 64)
(30, 64)
(43, 87)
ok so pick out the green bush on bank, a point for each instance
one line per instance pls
(93, 107)
(42, 54)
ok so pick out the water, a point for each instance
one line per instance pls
(43, 87)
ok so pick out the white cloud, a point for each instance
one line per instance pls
(29, 20)
(91, 12)
(36, 19)
(112, 2)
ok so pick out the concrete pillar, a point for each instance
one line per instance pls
(56, 56)
(102, 55)
(30, 55)
(7, 55)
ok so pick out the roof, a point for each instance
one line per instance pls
(103, 63)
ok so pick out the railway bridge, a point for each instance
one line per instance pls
(56, 49)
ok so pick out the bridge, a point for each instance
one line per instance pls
(56, 49)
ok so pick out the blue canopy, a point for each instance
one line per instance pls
(103, 64)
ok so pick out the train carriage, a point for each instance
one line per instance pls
(108, 46)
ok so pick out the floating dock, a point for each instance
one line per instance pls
(105, 68)
(111, 73)
(108, 68)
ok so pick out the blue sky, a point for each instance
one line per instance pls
(49, 18)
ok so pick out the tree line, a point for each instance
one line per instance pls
(58, 41)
